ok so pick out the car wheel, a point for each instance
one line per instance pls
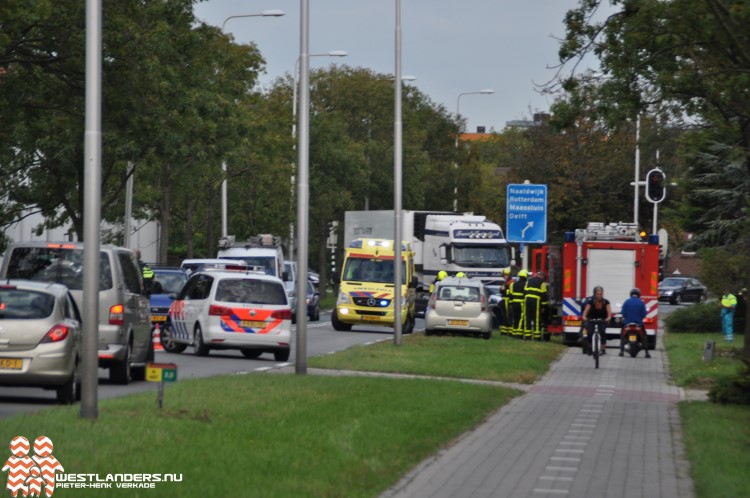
(200, 348)
(69, 393)
(487, 335)
(703, 298)
(316, 314)
(428, 332)
(337, 325)
(168, 342)
(251, 353)
(281, 355)
(677, 299)
(121, 373)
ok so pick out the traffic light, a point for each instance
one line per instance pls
(655, 186)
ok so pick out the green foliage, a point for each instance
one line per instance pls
(722, 267)
(703, 318)
(734, 390)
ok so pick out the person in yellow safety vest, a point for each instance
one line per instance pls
(728, 305)
(535, 291)
(148, 273)
(517, 304)
(441, 275)
(506, 326)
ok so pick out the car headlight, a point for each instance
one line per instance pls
(667, 292)
(344, 298)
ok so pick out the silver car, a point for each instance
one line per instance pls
(459, 305)
(125, 343)
(40, 338)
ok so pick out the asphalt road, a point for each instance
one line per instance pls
(321, 339)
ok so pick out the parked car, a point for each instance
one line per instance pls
(40, 338)
(459, 305)
(219, 309)
(313, 302)
(191, 266)
(125, 344)
(167, 283)
(495, 300)
(676, 290)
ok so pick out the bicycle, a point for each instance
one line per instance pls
(596, 339)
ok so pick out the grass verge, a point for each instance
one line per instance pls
(717, 439)
(686, 366)
(265, 435)
(498, 359)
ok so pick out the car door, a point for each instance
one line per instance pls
(196, 302)
(137, 304)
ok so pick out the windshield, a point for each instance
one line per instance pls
(171, 283)
(672, 282)
(267, 262)
(25, 304)
(372, 270)
(247, 291)
(480, 256)
(60, 265)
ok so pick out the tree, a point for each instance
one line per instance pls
(683, 59)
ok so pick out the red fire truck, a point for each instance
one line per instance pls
(615, 256)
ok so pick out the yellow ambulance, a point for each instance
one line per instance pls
(366, 287)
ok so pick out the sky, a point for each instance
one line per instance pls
(451, 48)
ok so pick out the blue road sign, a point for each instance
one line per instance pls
(526, 213)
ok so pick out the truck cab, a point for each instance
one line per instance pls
(366, 286)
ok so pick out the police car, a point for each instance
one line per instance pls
(221, 309)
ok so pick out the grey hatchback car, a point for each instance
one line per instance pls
(125, 343)
(40, 338)
(459, 305)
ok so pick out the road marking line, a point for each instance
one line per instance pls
(551, 491)
(563, 450)
(580, 431)
(583, 425)
(562, 469)
(565, 459)
(263, 369)
(555, 478)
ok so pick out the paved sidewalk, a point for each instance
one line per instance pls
(578, 432)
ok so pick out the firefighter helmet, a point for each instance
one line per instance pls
(523, 274)
(461, 274)
(442, 274)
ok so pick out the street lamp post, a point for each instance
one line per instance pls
(265, 13)
(485, 91)
(332, 53)
(397, 186)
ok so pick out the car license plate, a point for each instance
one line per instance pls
(574, 323)
(11, 363)
(633, 338)
(253, 324)
(159, 318)
(369, 318)
(459, 323)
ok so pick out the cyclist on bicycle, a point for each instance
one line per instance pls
(634, 311)
(596, 307)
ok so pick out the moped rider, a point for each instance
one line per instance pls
(634, 311)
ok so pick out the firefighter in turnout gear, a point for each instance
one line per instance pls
(506, 325)
(441, 275)
(517, 304)
(534, 297)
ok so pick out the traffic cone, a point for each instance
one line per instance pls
(157, 338)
